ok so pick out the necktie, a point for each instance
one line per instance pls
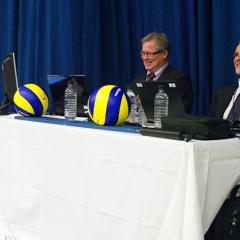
(234, 113)
(150, 76)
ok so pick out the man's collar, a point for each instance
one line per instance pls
(159, 71)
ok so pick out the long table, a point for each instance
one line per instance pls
(61, 182)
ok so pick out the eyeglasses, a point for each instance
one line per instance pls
(149, 54)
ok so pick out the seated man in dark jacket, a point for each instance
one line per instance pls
(154, 53)
(225, 97)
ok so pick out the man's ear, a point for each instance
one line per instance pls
(165, 54)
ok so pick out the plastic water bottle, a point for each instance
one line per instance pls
(141, 114)
(160, 106)
(70, 111)
(132, 115)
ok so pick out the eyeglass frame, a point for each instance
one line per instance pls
(149, 54)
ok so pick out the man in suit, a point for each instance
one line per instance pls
(224, 97)
(154, 53)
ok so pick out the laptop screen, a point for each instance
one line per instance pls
(147, 91)
(58, 85)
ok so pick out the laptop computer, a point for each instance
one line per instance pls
(58, 85)
(147, 91)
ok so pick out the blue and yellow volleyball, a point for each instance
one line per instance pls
(30, 101)
(109, 106)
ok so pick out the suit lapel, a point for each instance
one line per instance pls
(224, 98)
(165, 73)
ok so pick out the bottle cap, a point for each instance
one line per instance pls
(160, 87)
(70, 81)
(129, 87)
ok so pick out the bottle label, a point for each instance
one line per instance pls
(70, 104)
(66, 109)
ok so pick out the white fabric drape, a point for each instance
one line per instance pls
(59, 182)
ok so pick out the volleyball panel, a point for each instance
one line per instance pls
(114, 106)
(42, 96)
(19, 100)
(124, 110)
(101, 104)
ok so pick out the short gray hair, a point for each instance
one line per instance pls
(160, 39)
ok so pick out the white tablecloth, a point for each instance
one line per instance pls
(61, 182)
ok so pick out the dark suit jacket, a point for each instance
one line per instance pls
(221, 98)
(183, 81)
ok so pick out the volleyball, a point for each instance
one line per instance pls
(109, 106)
(30, 101)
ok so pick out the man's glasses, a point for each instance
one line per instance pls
(149, 54)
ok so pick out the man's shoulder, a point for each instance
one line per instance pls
(174, 73)
(141, 77)
(178, 71)
(229, 87)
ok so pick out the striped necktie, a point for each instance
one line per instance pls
(150, 76)
(234, 113)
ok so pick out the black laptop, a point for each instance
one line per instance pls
(58, 85)
(147, 91)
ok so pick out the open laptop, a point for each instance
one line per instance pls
(58, 85)
(147, 91)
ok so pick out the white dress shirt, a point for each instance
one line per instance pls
(158, 72)
(232, 101)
